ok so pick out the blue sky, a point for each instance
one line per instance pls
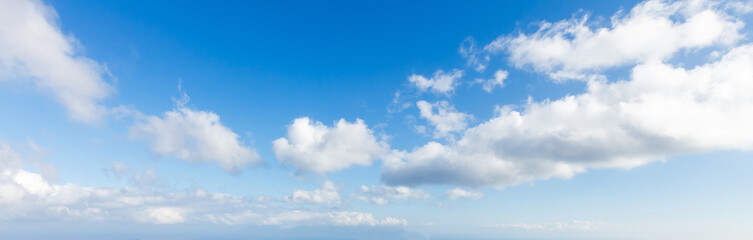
(388, 120)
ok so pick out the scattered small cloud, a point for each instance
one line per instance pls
(327, 194)
(458, 193)
(498, 81)
(381, 194)
(441, 83)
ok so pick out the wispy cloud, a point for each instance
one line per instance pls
(196, 136)
(381, 194)
(458, 193)
(29, 196)
(327, 194)
(441, 83)
(35, 51)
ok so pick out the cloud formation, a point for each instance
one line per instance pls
(458, 193)
(195, 136)
(381, 194)
(314, 147)
(652, 31)
(27, 195)
(498, 81)
(446, 120)
(34, 50)
(441, 83)
(661, 111)
(475, 57)
(327, 194)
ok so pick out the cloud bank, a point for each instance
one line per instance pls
(26, 195)
(661, 111)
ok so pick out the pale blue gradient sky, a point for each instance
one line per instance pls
(261, 65)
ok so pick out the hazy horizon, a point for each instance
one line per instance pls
(376, 119)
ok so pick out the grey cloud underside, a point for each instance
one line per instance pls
(661, 111)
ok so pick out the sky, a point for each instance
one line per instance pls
(376, 120)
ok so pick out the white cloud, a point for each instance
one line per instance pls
(441, 82)
(739, 6)
(659, 112)
(398, 105)
(165, 215)
(26, 196)
(382, 194)
(476, 57)
(33, 49)
(314, 147)
(652, 31)
(328, 194)
(458, 193)
(498, 81)
(195, 136)
(446, 120)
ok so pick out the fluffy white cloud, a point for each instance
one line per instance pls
(314, 147)
(382, 194)
(26, 195)
(498, 81)
(33, 49)
(458, 193)
(652, 31)
(328, 194)
(446, 120)
(195, 136)
(442, 82)
(661, 111)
